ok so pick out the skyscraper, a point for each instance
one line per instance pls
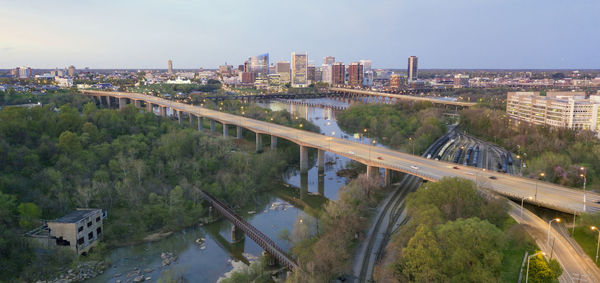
(299, 70)
(310, 74)
(170, 66)
(366, 65)
(412, 72)
(260, 65)
(355, 74)
(283, 69)
(328, 60)
(326, 73)
(338, 73)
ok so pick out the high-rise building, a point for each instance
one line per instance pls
(413, 72)
(366, 65)
(299, 69)
(310, 74)
(395, 81)
(283, 69)
(170, 66)
(326, 73)
(355, 74)
(328, 60)
(24, 72)
(558, 109)
(318, 75)
(225, 70)
(338, 73)
(71, 71)
(260, 65)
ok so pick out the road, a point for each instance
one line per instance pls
(542, 193)
(577, 266)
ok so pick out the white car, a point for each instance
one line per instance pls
(414, 167)
(351, 152)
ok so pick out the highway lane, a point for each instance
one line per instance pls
(548, 195)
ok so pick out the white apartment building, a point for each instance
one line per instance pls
(558, 109)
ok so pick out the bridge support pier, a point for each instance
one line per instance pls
(269, 258)
(190, 117)
(200, 123)
(372, 171)
(259, 143)
(163, 111)
(122, 103)
(212, 125)
(238, 133)
(273, 142)
(236, 235)
(107, 101)
(149, 107)
(321, 183)
(321, 160)
(225, 130)
(179, 113)
(303, 158)
(138, 104)
(387, 179)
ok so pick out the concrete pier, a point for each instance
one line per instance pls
(179, 113)
(372, 171)
(236, 234)
(149, 107)
(303, 158)
(273, 142)
(138, 104)
(122, 103)
(387, 177)
(163, 111)
(238, 132)
(321, 160)
(107, 101)
(259, 143)
(225, 130)
(200, 127)
(212, 125)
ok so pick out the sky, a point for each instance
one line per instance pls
(473, 34)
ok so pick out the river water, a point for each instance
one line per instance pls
(204, 253)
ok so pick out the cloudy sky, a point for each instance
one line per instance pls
(199, 33)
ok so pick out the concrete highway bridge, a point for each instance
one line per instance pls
(261, 239)
(533, 191)
(392, 96)
(255, 97)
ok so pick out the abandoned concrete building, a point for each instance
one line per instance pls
(78, 230)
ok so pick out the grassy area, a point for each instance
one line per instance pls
(588, 240)
(514, 251)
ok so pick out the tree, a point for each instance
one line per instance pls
(422, 258)
(542, 271)
(29, 214)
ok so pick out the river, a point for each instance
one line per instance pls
(204, 253)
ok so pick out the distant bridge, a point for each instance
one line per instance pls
(264, 96)
(401, 96)
(257, 236)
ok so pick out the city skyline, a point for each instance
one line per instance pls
(537, 35)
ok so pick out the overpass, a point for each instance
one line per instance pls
(401, 97)
(261, 239)
(541, 193)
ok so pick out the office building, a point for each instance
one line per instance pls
(283, 69)
(299, 69)
(310, 74)
(23, 72)
(355, 74)
(318, 75)
(366, 65)
(170, 67)
(326, 73)
(247, 78)
(225, 70)
(412, 71)
(328, 60)
(395, 81)
(558, 109)
(260, 65)
(71, 71)
(338, 73)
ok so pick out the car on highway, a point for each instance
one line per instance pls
(493, 177)
(455, 167)
(379, 157)
(351, 152)
(414, 167)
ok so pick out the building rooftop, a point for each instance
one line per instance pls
(77, 215)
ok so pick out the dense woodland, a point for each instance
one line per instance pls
(557, 152)
(455, 234)
(400, 125)
(145, 170)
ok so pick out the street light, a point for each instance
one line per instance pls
(537, 180)
(522, 199)
(529, 258)
(549, 223)
(597, 245)
(582, 175)
(410, 140)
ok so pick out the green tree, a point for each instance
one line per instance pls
(29, 214)
(422, 258)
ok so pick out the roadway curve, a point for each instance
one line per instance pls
(548, 194)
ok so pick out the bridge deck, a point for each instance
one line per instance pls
(403, 97)
(546, 194)
(257, 236)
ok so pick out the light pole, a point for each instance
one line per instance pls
(537, 180)
(582, 175)
(410, 140)
(522, 199)
(549, 223)
(364, 134)
(520, 165)
(529, 258)
(374, 142)
(597, 245)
